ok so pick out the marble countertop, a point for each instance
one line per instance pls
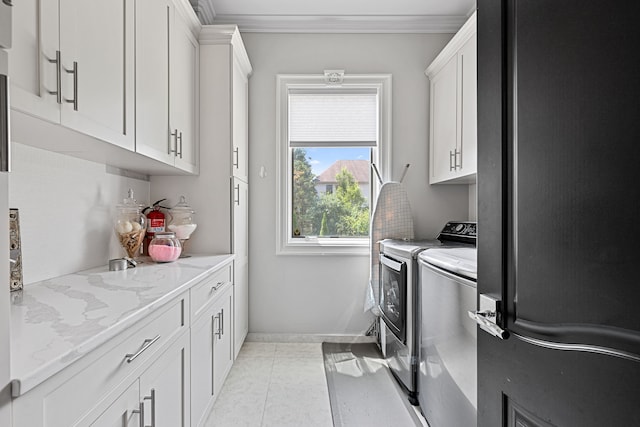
(57, 321)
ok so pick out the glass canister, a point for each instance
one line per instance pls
(181, 221)
(130, 225)
(165, 247)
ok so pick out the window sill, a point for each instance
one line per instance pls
(324, 247)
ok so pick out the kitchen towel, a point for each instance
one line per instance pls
(391, 219)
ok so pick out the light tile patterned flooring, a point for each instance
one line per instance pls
(274, 385)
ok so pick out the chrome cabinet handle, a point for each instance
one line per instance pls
(152, 398)
(177, 137)
(457, 153)
(73, 71)
(217, 333)
(140, 411)
(58, 91)
(236, 162)
(237, 199)
(174, 134)
(222, 322)
(145, 345)
(451, 163)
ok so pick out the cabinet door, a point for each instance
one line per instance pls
(154, 18)
(35, 43)
(223, 342)
(443, 122)
(183, 90)
(124, 411)
(241, 263)
(97, 45)
(165, 387)
(240, 123)
(467, 61)
(202, 340)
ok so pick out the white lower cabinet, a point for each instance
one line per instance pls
(159, 397)
(124, 412)
(211, 352)
(166, 371)
(164, 387)
(240, 235)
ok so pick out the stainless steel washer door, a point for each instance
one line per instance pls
(447, 380)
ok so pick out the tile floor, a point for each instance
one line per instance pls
(274, 385)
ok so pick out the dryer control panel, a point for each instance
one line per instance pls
(459, 231)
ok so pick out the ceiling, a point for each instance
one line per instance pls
(337, 16)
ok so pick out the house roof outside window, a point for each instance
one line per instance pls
(358, 168)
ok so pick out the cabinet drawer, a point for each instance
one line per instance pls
(209, 289)
(119, 359)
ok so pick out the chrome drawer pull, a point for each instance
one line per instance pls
(216, 286)
(145, 345)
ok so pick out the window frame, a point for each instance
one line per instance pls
(381, 156)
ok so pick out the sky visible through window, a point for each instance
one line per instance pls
(321, 158)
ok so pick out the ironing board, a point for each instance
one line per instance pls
(391, 219)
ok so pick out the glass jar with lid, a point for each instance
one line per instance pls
(181, 220)
(130, 225)
(165, 247)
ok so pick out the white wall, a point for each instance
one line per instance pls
(325, 295)
(66, 208)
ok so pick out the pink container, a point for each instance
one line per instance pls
(165, 247)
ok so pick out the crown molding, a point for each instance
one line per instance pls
(188, 13)
(343, 24)
(205, 11)
(227, 35)
(455, 44)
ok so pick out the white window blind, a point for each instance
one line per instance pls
(331, 119)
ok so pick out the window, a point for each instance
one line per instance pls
(328, 136)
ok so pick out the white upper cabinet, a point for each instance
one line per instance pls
(110, 81)
(73, 63)
(183, 86)
(97, 45)
(152, 79)
(166, 85)
(33, 68)
(240, 130)
(453, 109)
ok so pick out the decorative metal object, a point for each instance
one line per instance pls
(15, 251)
(333, 77)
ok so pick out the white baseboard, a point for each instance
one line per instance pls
(308, 338)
